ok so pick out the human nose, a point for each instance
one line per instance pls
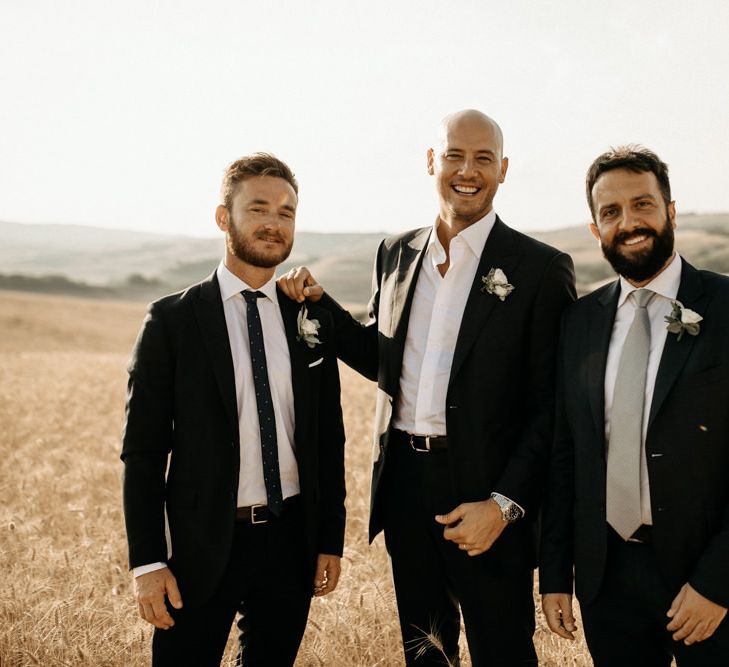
(467, 166)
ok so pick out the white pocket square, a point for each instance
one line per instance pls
(316, 363)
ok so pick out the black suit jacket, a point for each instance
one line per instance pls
(687, 448)
(182, 411)
(500, 394)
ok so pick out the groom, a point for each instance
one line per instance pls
(462, 338)
(234, 439)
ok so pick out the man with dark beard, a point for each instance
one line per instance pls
(638, 485)
(234, 438)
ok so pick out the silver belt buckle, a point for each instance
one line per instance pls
(417, 449)
(253, 515)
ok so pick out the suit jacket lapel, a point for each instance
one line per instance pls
(675, 352)
(210, 316)
(409, 261)
(498, 252)
(598, 341)
(299, 365)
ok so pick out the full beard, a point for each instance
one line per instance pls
(245, 250)
(641, 266)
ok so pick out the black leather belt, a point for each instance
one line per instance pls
(259, 514)
(644, 535)
(422, 443)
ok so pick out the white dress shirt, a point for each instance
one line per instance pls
(251, 487)
(665, 285)
(435, 319)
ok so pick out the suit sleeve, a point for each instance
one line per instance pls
(332, 489)
(556, 553)
(357, 342)
(523, 476)
(711, 574)
(147, 441)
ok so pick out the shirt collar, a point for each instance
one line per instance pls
(474, 235)
(666, 283)
(231, 285)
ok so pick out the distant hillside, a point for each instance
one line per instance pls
(98, 262)
(88, 261)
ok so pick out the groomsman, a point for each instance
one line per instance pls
(234, 438)
(638, 488)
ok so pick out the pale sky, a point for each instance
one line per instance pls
(124, 114)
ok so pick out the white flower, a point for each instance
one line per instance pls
(499, 277)
(682, 320)
(308, 329)
(501, 291)
(496, 283)
(689, 316)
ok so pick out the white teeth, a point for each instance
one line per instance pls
(636, 239)
(465, 189)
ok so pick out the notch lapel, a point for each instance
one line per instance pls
(675, 352)
(498, 252)
(299, 365)
(600, 331)
(210, 317)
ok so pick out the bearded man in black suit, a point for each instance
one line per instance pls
(234, 435)
(461, 340)
(638, 494)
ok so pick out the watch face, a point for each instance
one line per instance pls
(511, 512)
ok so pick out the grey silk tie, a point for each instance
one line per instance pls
(626, 423)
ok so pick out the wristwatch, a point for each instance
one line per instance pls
(510, 511)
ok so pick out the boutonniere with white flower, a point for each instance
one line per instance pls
(496, 283)
(308, 329)
(683, 320)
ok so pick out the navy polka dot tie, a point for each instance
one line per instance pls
(266, 417)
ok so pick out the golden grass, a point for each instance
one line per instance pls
(66, 597)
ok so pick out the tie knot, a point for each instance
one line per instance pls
(251, 296)
(642, 297)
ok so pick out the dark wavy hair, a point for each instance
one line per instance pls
(632, 157)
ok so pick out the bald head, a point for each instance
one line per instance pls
(470, 121)
(468, 165)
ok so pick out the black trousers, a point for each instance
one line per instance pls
(269, 581)
(433, 577)
(625, 626)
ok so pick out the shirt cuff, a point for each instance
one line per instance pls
(145, 569)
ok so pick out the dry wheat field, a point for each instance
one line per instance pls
(66, 596)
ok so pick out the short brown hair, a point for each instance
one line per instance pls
(258, 164)
(632, 157)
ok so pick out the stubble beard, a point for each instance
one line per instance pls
(244, 248)
(644, 265)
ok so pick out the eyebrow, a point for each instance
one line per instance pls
(481, 151)
(632, 199)
(265, 202)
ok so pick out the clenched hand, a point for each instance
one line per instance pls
(298, 284)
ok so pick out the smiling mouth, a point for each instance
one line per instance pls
(467, 190)
(636, 239)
